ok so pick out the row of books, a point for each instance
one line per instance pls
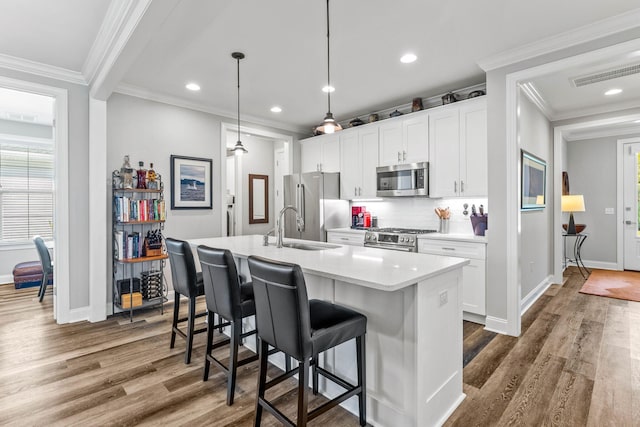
(128, 245)
(128, 209)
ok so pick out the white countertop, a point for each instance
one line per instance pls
(370, 267)
(347, 230)
(454, 237)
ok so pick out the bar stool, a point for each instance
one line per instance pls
(231, 300)
(187, 282)
(303, 329)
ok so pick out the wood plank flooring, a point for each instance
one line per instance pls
(577, 363)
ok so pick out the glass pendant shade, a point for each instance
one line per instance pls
(239, 149)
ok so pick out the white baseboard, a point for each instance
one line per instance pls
(533, 296)
(601, 265)
(496, 324)
(76, 315)
(6, 279)
(473, 317)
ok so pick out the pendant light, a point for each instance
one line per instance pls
(329, 125)
(238, 149)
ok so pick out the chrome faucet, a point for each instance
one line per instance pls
(265, 238)
(299, 221)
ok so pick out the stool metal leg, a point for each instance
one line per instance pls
(262, 381)
(236, 329)
(314, 378)
(362, 375)
(176, 313)
(210, 329)
(303, 396)
(191, 322)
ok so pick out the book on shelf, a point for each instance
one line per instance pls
(127, 209)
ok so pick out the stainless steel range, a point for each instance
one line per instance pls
(397, 239)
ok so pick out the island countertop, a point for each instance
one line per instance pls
(381, 269)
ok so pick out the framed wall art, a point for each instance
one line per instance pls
(191, 183)
(534, 182)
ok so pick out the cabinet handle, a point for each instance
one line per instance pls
(344, 238)
(399, 156)
(455, 186)
(448, 249)
(355, 191)
(404, 155)
(461, 186)
(359, 191)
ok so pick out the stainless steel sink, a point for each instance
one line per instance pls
(309, 246)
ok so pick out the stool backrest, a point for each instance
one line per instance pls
(221, 286)
(43, 253)
(282, 306)
(183, 267)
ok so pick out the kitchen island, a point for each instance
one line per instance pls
(414, 332)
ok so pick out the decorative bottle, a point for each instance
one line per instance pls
(126, 172)
(152, 182)
(142, 176)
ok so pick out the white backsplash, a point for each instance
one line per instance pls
(418, 212)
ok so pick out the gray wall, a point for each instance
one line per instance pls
(536, 137)
(80, 182)
(592, 173)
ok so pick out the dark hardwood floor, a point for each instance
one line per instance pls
(576, 363)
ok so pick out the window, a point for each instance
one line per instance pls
(26, 188)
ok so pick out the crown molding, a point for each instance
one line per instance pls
(580, 35)
(40, 69)
(591, 111)
(139, 92)
(532, 93)
(601, 133)
(114, 20)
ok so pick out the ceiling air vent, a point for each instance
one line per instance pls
(627, 70)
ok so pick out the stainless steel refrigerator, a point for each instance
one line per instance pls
(316, 195)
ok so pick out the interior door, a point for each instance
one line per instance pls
(630, 203)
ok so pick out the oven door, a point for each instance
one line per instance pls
(391, 247)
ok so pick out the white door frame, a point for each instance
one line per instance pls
(232, 127)
(513, 81)
(61, 191)
(620, 200)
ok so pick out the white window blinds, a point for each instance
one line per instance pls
(26, 190)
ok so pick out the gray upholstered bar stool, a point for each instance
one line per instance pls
(187, 282)
(303, 329)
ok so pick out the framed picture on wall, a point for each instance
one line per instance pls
(534, 182)
(191, 183)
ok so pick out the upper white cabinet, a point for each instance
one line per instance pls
(321, 153)
(404, 139)
(359, 159)
(458, 150)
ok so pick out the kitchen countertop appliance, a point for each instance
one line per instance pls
(397, 239)
(316, 196)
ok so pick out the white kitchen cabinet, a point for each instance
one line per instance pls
(458, 150)
(346, 237)
(474, 274)
(321, 153)
(359, 159)
(404, 139)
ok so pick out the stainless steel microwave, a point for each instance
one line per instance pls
(403, 180)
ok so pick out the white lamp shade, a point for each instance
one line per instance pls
(573, 203)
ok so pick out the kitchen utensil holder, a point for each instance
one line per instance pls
(479, 224)
(444, 226)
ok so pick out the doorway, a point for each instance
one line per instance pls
(45, 136)
(630, 193)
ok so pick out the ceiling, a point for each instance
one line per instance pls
(285, 47)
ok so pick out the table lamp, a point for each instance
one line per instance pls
(572, 203)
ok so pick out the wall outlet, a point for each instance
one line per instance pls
(609, 211)
(444, 298)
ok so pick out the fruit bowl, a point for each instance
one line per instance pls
(579, 227)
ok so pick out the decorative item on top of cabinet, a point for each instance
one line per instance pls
(458, 150)
(416, 104)
(138, 253)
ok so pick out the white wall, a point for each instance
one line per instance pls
(536, 137)
(80, 182)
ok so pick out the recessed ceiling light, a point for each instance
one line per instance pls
(408, 58)
(193, 86)
(613, 92)
(328, 89)
(276, 109)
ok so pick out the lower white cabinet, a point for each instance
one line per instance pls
(474, 274)
(355, 238)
